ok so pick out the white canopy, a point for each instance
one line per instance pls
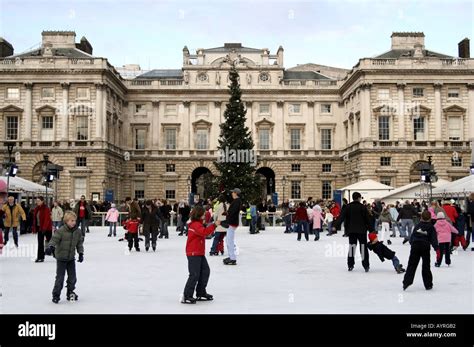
(21, 185)
(410, 191)
(460, 187)
(369, 189)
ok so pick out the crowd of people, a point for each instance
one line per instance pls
(62, 227)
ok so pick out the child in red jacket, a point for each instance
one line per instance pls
(199, 270)
(131, 225)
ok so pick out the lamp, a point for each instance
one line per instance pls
(283, 183)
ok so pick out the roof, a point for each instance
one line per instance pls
(411, 186)
(401, 53)
(161, 74)
(367, 185)
(57, 52)
(461, 186)
(18, 184)
(303, 75)
(233, 46)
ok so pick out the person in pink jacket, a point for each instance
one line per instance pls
(444, 230)
(317, 218)
(112, 217)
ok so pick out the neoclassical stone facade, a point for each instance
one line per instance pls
(154, 133)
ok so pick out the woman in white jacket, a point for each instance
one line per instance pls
(220, 212)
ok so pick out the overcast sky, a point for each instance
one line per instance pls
(153, 33)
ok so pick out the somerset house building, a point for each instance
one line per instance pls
(154, 133)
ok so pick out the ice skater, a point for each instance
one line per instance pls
(131, 225)
(199, 270)
(63, 246)
(384, 252)
(443, 231)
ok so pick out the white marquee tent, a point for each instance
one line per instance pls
(410, 191)
(369, 189)
(459, 188)
(21, 185)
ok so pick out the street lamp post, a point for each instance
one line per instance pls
(283, 183)
(10, 146)
(45, 172)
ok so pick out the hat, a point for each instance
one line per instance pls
(236, 190)
(440, 215)
(113, 205)
(372, 236)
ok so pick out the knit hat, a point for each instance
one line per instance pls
(440, 215)
(372, 236)
(113, 205)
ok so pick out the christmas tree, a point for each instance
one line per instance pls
(237, 158)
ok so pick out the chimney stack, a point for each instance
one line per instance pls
(84, 46)
(463, 49)
(6, 49)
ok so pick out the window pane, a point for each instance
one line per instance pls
(47, 132)
(325, 108)
(170, 138)
(13, 93)
(454, 128)
(326, 190)
(295, 139)
(82, 128)
(419, 128)
(295, 189)
(201, 138)
(327, 167)
(384, 128)
(386, 180)
(326, 141)
(12, 128)
(140, 135)
(453, 93)
(295, 167)
(80, 187)
(170, 194)
(417, 91)
(170, 167)
(264, 109)
(264, 138)
(139, 190)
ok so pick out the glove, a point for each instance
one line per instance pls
(224, 224)
(49, 250)
(81, 258)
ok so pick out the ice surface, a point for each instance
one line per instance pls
(275, 274)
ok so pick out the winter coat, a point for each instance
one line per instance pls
(219, 216)
(317, 217)
(300, 215)
(329, 218)
(88, 210)
(309, 212)
(135, 210)
(46, 224)
(381, 250)
(444, 230)
(233, 213)
(393, 213)
(386, 217)
(57, 214)
(131, 225)
(450, 212)
(12, 221)
(335, 210)
(356, 219)
(150, 218)
(112, 215)
(470, 209)
(197, 232)
(407, 212)
(66, 241)
(425, 232)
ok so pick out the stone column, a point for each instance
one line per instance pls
(470, 118)
(249, 119)
(187, 128)
(437, 111)
(155, 129)
(365, 113)
(310, 134)
(350, 126)
(99, 110)
(65, 112)
(105, 127)
(280, 135)
(28, 110)
(401, 112)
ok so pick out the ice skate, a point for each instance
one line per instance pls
(205, 297)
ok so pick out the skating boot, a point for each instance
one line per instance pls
(205, 297)
(71, 296)
(55, 300)
(400, 269)
(188, 300)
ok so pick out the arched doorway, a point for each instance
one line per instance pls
(267, 176)
(415, 170)
(199, 178)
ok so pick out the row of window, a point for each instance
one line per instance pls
(264, 108)
(387, 161)
(13, 93)
(454, 128)
(417, 92)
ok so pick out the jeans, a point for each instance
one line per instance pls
(406, 226)
(114, 226)
(57, 225)
(362, 239)
(61, 268)
(302, 227)
(395, 262)
(150, 230)
(253, 224)
(316, 234)
(218, 237)
(231, 242)
(199, 273)
(164, 227)
(287, 220)
(15, 235)
(82, 223)
(444, 249)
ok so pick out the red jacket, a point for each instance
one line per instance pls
(301, 215)
(451, 212)
(196, 243)
(336, 211)
(46, 224)
(132, 225)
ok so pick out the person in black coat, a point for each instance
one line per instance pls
(470, 219)
(151, 223)
(184, 213)
(423, 235)
(356, 223)
(232, 220)
(384, 252)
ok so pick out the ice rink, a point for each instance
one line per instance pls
(275, 274)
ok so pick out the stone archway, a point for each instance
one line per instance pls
(415, 170)
(198, 181)
(268, 180)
